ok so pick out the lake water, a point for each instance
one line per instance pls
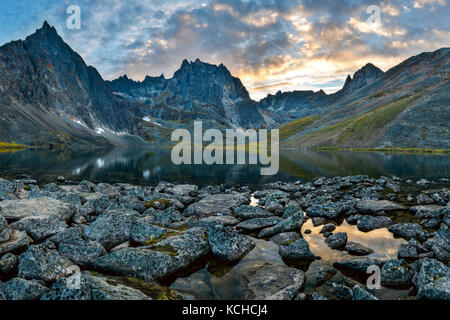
(149, 166)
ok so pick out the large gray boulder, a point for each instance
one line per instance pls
(42, 262)
(328, 210)
(337, 241)
(293, 223)
(297, 250)
(40, 227)
(377, 206)
(396, 273)
(369, 223)
(357, 266)
(92, 288)
(433, 280)
(82, 252)
(406, 230)
(19, 209)
(22, 289)
(256, 224)
(227, 244)
(142, 230)
(250, 212)
(112, 228)
(357, 249)
(284, 237)
(217, 203)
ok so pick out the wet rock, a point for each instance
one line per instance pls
(284, 237)
(142, 230)
(273, 205)
(83, 253)
(19, 209)
(216, 203)
(358, 266)
(329, 210)
(328, 228)
(292, 223)
(407, 252)
(433, 280)
(341, 291)
(92, 288)
(396, 273)
(169, 218)
(17, 242)
(250, 212)
(318, 221)
(227, 221)
(111, 228)
(377, 206)
(5, 230)
(369, 223)
(361, 294)
(273, 282)
(42, 263)
(352, 220)
(406, 230)
(356, 249)
(291, 208)
(427, 211)
(256, 224)
(317, 297)
(8, 263)
(227, 244)
(22, 289)
(431, 223)
(40, 227)
(297, 250)
(337, 241)
(416, 244)
(439, 244)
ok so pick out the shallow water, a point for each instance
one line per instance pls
(149, 166)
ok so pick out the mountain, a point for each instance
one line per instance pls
(49, 95)
(197, 90)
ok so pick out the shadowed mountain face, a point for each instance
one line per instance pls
(50, 96)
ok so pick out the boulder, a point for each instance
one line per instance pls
(284, 237)
(328, 228)
(377, 206)
(356, 249)
(406, 230)
(22, 289)
(369, 223)
(337, 241)
(92, 288)
(328, 210)
(256, 224)
(142, 231)
(250, 212)
(82, 252)
(227, 244)
(433, 280)
(358, 266)
(292, 223)
(18, 241)
(8, 263)
(19, 209)
(40, 227)
(216, 203)
(361, 294)
(297, 250)
(5, 230)
(396, 273)
(407, 252)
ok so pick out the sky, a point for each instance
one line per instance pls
(270, 45)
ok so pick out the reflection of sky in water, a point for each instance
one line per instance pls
(205, 285)
(146, 174)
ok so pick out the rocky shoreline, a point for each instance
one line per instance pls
(85, 241)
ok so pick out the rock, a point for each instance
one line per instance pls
(142, 231)
(291, 208)
(396, 273)
(112, 228)
(216, 203)
(406, 230)
(440, 243)
(92, 288)
(341, 291)
(422, 182)
(356, 249)
(227, 244)
(40, 227)
(328, 210)
(377, 206)
(256, 224)
(292, 223)
(17, 242)
(169, 218)
(8, 263)
(328, 228)
(21, 289)
(424, 199)
(323, 275)
(337, 241)
(419, 248)
(227, 221)
(250, 212)
(307, 231)
(60, 179)
(159, 260)
(42, 263)
(369, 223)
(427, 211)
(318, 221)
(19, 209)
(352, 220)
(407, 252)
(284, 237)
(297, 250)
(433, 280)
(83, 253)
(273, 282)
(361, 294)
(5, 230)
(183, 190)
(358, 266)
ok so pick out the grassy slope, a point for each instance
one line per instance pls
(289, 129)
(358, 131)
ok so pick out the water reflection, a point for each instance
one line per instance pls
(149, 166)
